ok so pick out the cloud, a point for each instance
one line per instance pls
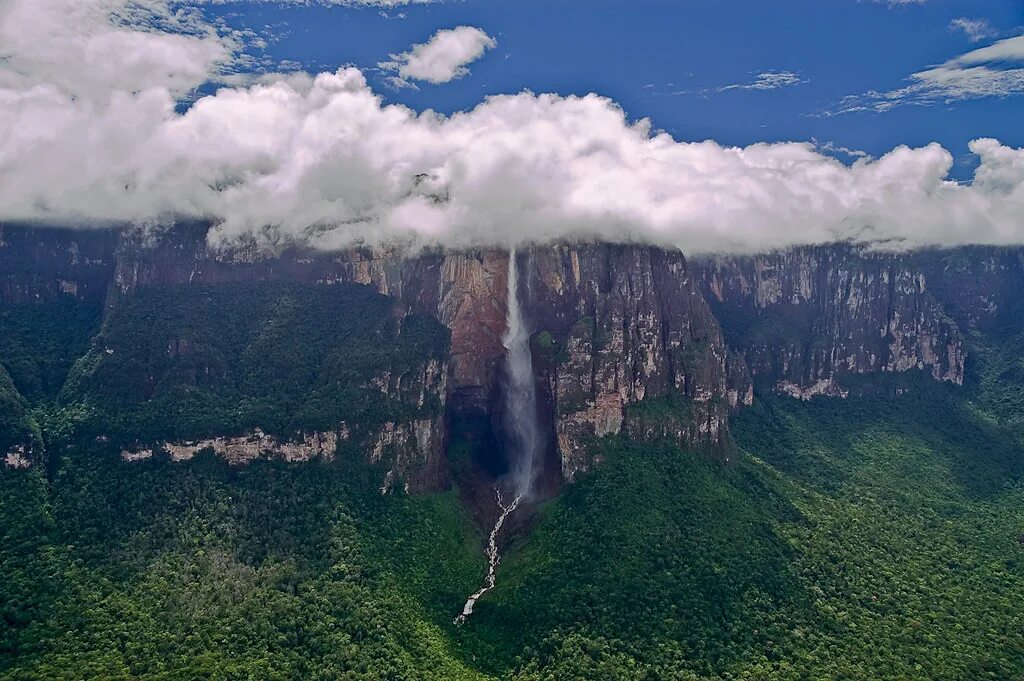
(442, 58)
(1009, 49)
(323, 161)
(768, 80)
(975, 29)
(991, 71)
(88, 47)
(834, 149)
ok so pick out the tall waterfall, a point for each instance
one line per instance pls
(525, 441)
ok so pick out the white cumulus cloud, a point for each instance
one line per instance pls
(88, 47)
(442, 58)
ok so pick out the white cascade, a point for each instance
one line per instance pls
(493, 558)
(525, 440)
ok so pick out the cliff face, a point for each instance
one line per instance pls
(805, 318)
(466, 292)
(39, 264)
(52, 286)
(978, 286)
(619, 327)
(625, 339)
(628, 323)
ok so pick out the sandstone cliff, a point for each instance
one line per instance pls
(629, 323)
(806, 318)
(625, 326)
(625, 339)
(40, 264)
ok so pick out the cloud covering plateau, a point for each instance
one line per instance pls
(321, 160)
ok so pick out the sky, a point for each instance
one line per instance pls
(712, 125)
(689, 65)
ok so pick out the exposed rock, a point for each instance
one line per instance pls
(825, 386)
(137, 454)
(40, 264)
(413, 453)
(247, 448)
(18, 457)
(979, 286)
(630, 325)
(624, 338)
(739, 385)
(807, 317)
(632, 322)
(472, 302)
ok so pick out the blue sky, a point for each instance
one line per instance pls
(669, 60)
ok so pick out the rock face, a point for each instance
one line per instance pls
(623, 325)
(472, 302)
(411, 452)
(629, 322)
(414, 453)
(40, 264)
(247, 448)
(465, 291)
(625, 339)
(978, 286)
(806, 318)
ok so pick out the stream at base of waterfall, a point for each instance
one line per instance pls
(492, 555)
(525, 437)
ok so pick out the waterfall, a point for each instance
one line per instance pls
(525, 441)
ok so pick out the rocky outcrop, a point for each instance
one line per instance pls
(18, 456)
(412, 452)
(806, 318)
(247, 448)
(621, 325)
(472, 302)
(738, 382)
(463, 290)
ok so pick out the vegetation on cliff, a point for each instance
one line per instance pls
(176, 362)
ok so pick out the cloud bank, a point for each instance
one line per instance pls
(322, 161)
(441, 59)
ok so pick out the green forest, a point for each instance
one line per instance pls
(878, 537)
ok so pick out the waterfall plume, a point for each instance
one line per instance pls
(525, 441)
